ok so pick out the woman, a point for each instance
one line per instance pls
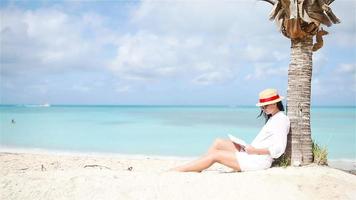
(270, 143)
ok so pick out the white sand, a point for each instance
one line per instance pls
(66, 177)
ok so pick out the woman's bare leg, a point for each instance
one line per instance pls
(225, 145)
(226, 158)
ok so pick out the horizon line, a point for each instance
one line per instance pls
(162, 105)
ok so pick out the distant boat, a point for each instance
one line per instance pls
(45, 105)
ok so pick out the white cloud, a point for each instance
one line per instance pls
(343, 34)
(123, 88)
(39, 88)
(347, 71)
(317, 87)
(186, 16)
(320, 60)
(349, 68)
(256, 53)
(178, 43)
(48, 39)
(341, 79)
(265, 70)
(205, 40)
(80, 88)
(145, 56)
(93, 20)
(199, 39)
(213, 77)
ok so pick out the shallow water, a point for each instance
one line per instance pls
(158, 130)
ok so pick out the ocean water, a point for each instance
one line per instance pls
(157, 130)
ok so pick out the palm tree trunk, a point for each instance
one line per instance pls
(299, 147)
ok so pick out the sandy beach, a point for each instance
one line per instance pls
(53, 176)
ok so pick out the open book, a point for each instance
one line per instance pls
(238, 141)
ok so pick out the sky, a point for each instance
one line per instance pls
(162, 52)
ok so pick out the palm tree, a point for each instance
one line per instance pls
(300, 21)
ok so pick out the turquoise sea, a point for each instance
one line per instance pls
(157, 130)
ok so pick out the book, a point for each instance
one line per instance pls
(238, 141)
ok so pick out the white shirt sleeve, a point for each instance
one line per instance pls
(279, 129)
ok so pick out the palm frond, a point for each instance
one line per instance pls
(319, 10)
(269, 1)
(329, 1)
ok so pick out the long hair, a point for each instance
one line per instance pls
(267, 117)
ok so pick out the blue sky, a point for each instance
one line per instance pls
(186, 52)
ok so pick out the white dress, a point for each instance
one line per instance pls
(273, 136)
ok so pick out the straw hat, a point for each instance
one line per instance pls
(269, 96)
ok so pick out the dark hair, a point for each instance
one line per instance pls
(279, 106)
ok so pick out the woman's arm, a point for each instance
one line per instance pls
(252, 150)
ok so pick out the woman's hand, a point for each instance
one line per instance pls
(250, 149)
